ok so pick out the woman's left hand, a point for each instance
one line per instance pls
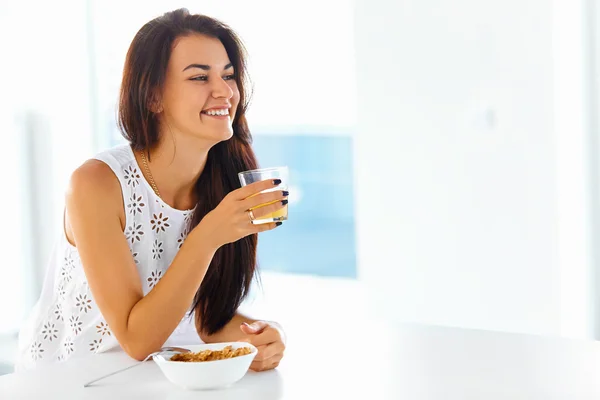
(269, 339)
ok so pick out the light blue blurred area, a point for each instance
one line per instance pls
(318, 238)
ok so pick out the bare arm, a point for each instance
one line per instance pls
(141, 325)
(94, 203)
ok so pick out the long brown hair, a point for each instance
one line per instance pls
(232, 269)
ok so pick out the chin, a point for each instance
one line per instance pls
(215, 137)
(225, 136)
(220, 136)
(228, 135)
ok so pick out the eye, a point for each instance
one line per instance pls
(199, 78)
(229, 77)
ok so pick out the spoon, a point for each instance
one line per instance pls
(162, 350)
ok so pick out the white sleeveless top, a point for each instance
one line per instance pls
(65, 321)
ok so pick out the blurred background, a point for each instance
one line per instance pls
(444, 156)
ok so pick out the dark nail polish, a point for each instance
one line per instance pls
(276, 181)
(286, 193)
(278, 223)
(284, 202)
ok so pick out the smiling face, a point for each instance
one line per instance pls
(200, 94)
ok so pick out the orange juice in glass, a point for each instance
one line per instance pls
(255, 175)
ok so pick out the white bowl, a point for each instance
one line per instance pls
(206, 374)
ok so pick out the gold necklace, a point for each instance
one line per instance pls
(152, 183)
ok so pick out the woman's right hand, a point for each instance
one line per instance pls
(231, 220)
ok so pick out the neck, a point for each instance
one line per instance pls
(175, 164)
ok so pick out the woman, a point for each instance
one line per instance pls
(159, 229)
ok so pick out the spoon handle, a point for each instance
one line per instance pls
(116, 372)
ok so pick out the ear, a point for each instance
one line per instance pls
(155, 104)
(156, 107)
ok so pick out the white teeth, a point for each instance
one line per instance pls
(218, 112)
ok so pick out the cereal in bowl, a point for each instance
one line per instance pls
(212, 355)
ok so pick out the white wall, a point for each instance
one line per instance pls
(298, 84)
(46, 133)
(576, 178)
(456, 161)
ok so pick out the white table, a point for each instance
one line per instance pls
(367, 360)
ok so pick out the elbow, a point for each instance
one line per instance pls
(139, 356)
(137, 346)
(137, 352)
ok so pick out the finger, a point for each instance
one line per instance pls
(253, 328)
(266, 352)
(265, 365)
(266, 227)
(261, 350)
(267, 336)
(253, 188)
(262, 199)
(269, 208)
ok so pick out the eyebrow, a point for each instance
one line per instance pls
(204, 67)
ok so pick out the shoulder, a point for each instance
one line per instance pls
(94, 182)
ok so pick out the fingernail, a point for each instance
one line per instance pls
(286, 193)
(284, 202)
(278, 223)
(276, 181)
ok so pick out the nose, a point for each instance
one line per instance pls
(221, 89)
